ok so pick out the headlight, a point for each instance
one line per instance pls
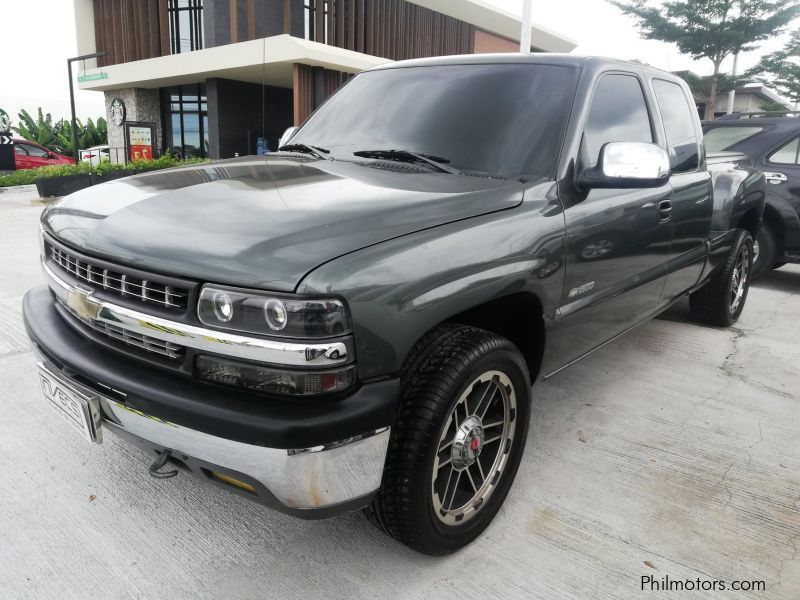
(272, 314)
(274, 381)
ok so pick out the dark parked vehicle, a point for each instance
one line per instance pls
(771, 144)
(356, 320)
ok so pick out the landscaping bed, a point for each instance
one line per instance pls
(60, 180)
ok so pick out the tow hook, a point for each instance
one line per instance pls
(160, 461)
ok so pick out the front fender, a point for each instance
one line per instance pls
(399, 289)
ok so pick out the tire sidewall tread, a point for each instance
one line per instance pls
(442, 364)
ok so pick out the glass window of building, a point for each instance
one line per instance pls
(185, 25)
(186, 120)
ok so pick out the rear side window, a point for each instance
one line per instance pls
(20, 150)
(719, 139)
(684, 148)
(618, 114)
(788, 154)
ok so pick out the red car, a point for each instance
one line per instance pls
(28, 155)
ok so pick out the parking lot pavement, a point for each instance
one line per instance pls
(671, 452)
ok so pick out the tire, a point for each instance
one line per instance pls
(442, 387)
(766, 249)
(721, 301)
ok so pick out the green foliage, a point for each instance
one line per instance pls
(702, 86)
(711, 29)
(770, 106)
(39, 130)
(29, 176)
(25, 177)
(58, 136)
(781, 70)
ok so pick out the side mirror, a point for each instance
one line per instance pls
(628, 165)
(287, 135)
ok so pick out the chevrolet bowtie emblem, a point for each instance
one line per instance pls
(83, 304)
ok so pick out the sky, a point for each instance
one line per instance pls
(37, 74)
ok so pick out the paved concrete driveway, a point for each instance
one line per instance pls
(672, 452)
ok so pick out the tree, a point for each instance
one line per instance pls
(711, 29)
(702, 87)
(781, 70)
(39, 130)
(58, 137)
(770, 106)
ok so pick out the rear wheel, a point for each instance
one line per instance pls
(765, 251)
(457, 440)
(721, 300)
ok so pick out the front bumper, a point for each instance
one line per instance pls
(308, 459)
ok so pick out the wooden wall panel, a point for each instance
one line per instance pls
(304, 83)
(396, 29)
(487, 43)
(130, 30)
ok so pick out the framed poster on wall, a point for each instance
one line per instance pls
(140, 140)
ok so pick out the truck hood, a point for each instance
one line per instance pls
(264, 222)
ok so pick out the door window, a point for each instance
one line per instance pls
(684, 145)
(788, 154)
(618, 114)
(34, 150)
(18, 149)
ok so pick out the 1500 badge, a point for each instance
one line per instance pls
(581, 289)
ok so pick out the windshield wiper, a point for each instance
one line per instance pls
(306, 149)
(408, 156)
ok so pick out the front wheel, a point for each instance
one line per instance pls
(721, 301)
(457, 440)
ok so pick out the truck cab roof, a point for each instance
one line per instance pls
(586, 63)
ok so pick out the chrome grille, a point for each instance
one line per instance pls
(124, 284)
(130, 337)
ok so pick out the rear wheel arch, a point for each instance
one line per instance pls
(777, 226)
(750, 221)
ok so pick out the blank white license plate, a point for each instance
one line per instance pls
(81, 410)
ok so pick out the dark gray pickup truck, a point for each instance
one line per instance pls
(356, 321)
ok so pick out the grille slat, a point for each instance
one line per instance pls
(131, 338)
(122, 283)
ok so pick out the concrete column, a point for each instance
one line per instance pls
(143, 105)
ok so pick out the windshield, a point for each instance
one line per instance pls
(498, 119)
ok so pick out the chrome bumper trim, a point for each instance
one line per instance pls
(199, 338)
(301, 478)
(298, 480)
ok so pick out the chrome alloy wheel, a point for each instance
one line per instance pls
(739, 278)
(474, 447)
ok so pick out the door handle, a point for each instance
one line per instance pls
(775, 178)
(664, 210)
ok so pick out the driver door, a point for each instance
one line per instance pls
(618, 240)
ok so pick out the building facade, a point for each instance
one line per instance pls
(749, 98)
(217, 78)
